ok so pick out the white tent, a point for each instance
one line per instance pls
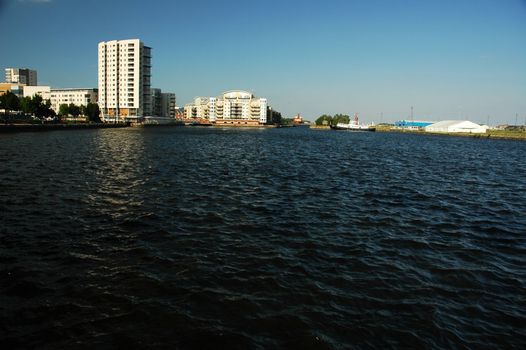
(457, 126)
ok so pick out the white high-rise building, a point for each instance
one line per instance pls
(124, 80)
(21, 76)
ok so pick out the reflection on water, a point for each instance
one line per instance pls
(119, 174)
(282, 238)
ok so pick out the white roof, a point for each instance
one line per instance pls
(448, 123)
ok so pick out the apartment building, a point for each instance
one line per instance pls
(79, 97)
(124, 80)
(24, 76)
(163, 103)
(156, 95)
(169, 105)
(199, 109)
(44, 91)
(232, 107)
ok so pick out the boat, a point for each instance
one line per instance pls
(353, 125)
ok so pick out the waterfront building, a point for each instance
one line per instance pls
(199, 109)
(412, 124)
(156, 102)
(457, 126)
(124, 69)
(234, 107)
(168, 103)
(179, 113)
(44, 91)
(17, 89)
(24, 76)
(163, 103)
(77, 96)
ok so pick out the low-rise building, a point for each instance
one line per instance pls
(17, 89)
(464, 126)
(76, 96)
(44, 91)
(412, 124)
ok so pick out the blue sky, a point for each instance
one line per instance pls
(447, 58)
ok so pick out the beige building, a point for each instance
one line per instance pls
(124, 80)
(16, 89)
(199, 109)
(232, 107)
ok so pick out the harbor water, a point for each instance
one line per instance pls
(209, 238)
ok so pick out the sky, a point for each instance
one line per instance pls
(449, 59)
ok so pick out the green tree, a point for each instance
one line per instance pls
(44, 110)
(74, 110)
(36, 105)
(63, 110)
(93, 112)
(25, 105)
(286, 121)
(324, 120)
(9, 102)
(340, 118)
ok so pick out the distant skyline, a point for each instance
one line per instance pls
(450, 59)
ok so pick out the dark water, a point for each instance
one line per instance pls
(284, 238)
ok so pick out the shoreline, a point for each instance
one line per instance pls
(8, 128)
(13, 128)
(491, 134)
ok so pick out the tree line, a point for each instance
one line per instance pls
(333, 120)
(40, 108)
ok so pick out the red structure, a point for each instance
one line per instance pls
(297, 120)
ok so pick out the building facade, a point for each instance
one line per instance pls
(156, 95)
(79, 97)
(412, 124)
(16, 89)
(232, 107)
(199, 109)
(169, 105)
(464, 126)
(163, 103)
(44, 91)
(21, 76)
(124, 80)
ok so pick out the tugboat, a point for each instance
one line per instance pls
(353, 125)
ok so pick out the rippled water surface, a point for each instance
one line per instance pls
(277, 238)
